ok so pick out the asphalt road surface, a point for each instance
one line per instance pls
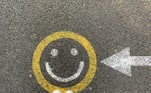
(109, 25)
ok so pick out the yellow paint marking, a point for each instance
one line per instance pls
(59, 35)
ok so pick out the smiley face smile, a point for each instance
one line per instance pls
(60, 79)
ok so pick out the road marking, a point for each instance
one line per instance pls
(69, 91)
(56, 91)
(122, 61)
(54, 52)
(60, 79)
(74, 51)
(59, 35)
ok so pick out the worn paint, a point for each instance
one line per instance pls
(54, 52)
(74, 51)
(122, 61)
(59, 35)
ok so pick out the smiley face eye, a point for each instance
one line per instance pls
(74, 51)
(54, 52)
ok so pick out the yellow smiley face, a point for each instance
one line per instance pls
(60, 35)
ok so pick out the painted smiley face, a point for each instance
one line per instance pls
(41, 64)
(64, 62)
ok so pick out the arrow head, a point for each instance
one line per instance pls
(120, 61)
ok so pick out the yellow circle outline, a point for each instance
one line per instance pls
(59, 35)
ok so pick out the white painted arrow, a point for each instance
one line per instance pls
(122, 61)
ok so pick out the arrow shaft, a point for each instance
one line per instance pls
(141, 60)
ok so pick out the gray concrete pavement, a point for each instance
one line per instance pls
(110, 25)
